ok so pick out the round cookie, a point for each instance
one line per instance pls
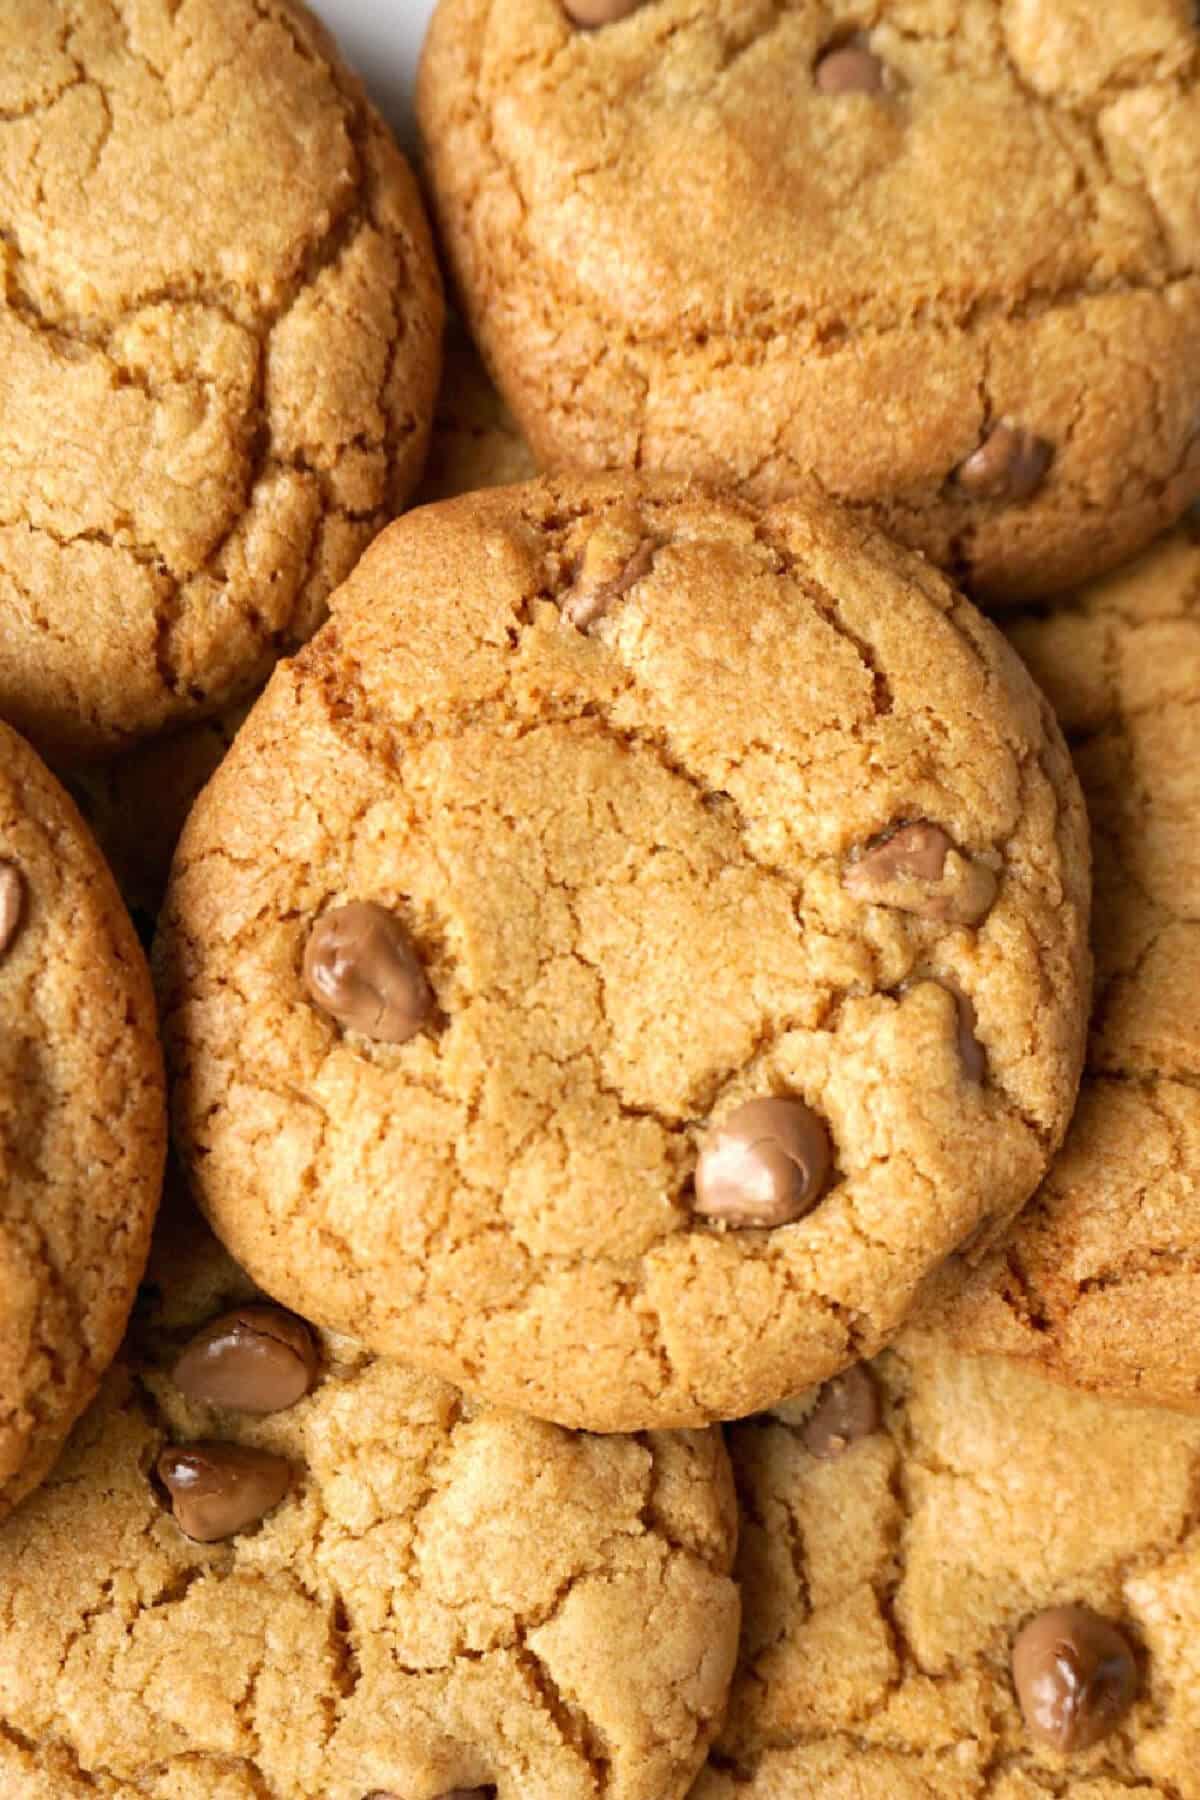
(82, 1117)
(992, 1592)
(444, 1602)
(219, 345)
(601, 814)
(1100, 1280)
(941, 260)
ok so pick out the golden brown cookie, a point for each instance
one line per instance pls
(410, 1599)
(1100, 1280)
(82, 1117)
(990, 1592)
(219, 349)
(639, 939)
(939, 256)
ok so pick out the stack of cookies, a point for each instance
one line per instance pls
(679, 1268)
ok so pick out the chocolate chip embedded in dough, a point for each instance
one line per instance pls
(1010, 464)
(850, 69)
(847, 1410)
(219, 1489)
(767, 1165)
(360, 966)
(596, 588)
(916, 867)
(592, 13)
(1075, 1677)
(256, 1359)
(12, 904)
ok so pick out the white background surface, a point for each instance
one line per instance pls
(382, 39)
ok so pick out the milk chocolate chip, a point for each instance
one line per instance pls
(766, 1165)
(218, 1489)
(360, 966)
(917, 868)
(847, 1409)
(971, 1053)
(487, 1793)
(12, 903)
(596, 589)
(1010, 464)
(850, 69)
(256, 1359)
(591, 13)
(1075, 1677)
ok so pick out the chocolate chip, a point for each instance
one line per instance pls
(256, 1359)
(360, 966)
(971, 1053)
(847, 1409)
(850, 69)
(218, 1489)
(12, 904)
(1075, 1677)
(1010, 464)
(591, 13)
(483, 1793)
(917, 868)
(766, 1165)
(593, 594)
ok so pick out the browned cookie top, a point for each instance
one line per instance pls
(219, 351)
(641, 937)
(940, 255)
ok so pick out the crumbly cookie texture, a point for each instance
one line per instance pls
(611, 759)
(884, 1591)
(82, 1117)
(447, 1600)
(939, 256)
(1100, 1280)
(219, 350)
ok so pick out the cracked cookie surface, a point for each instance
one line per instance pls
(82, 1117)
(967, 302)
(219, 348)
(1100, 1280)
(136, 803)
(883, 1590)
(448, 1598)
(607, 751)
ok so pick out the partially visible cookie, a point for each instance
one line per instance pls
(989, 1590)
(82, 1117)
(219, 351)
(403, 1597)
(639, 938)
(940, 260)
(476, 442)
(1100, 1280)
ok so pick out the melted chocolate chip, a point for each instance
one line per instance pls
(767, 1165)
(850, 69)
(590, 14)
(256, 1359)
(590, 598)
(917, 868)
(1010, 464)
(219, 1489)
(847, 1410)
(1075, 1677)
(360, 966)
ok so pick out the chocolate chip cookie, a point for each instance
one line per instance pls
(1100, 1281)
(82, 1117)
(989, 1589)
(219, 350)
(636, 942)
(940, 260)
(270, 1564)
